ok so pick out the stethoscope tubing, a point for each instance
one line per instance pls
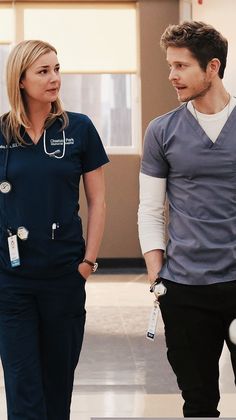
(4, 198)
(6, 162)
(54, 154)
(5, 167)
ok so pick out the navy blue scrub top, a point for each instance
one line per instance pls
(45, 190)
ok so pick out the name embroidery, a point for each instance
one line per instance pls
(60, 142)
(12, 146)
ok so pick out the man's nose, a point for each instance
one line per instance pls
(173, 74)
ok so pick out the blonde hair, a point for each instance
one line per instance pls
(20, 59)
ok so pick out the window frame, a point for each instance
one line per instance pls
(136, 136)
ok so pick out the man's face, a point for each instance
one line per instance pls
(186, 76)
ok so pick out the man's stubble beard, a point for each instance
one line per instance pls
(198, 95)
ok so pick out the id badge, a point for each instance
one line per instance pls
(153, 321)
(13, 250)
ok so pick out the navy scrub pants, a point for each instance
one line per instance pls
(197, 320)
(41, 334)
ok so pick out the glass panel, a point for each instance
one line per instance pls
(106, 99)
(6, 26)
(4, 106)
(89, 39)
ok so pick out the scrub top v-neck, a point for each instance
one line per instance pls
(222, 135)
(45, 191)
(201, 189)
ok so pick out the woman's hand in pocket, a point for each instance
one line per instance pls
(85, 270)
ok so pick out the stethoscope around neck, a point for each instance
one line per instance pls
(54, 154)
(5, 185)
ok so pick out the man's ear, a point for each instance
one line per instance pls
(214, 66)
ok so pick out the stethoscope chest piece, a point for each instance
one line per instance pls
(5, 187)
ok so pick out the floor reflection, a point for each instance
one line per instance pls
(121, 373)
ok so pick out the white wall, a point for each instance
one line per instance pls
(222, 15)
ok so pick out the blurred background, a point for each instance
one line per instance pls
(114, 71)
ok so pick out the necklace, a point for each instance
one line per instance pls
(227, 104)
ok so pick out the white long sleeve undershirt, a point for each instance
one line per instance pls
(151, 218)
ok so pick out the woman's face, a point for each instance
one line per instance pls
(41, 82)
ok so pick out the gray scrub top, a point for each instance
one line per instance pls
(201, 189)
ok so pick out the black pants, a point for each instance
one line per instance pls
(197, 320)
(41, 334)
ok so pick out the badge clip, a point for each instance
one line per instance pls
(153, 321)
(13, 249)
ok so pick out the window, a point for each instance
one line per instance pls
(89, 38)
(106, 99)
(97, 50)
(6, 27)
(6, 38)
(4, 51)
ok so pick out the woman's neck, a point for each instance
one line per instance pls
(37, 119)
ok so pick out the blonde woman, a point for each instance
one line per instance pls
(44, 260)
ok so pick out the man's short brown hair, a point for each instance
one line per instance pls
(202, 40)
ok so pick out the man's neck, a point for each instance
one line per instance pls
(214, 101)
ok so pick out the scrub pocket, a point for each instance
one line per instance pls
(80, 275)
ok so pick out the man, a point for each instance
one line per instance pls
(190, 154)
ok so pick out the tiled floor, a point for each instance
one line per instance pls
(121, 373)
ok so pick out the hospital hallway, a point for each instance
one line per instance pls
(121, 373)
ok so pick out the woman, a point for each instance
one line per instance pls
(44, 260)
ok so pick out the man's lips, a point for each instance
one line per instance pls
(179, 87)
